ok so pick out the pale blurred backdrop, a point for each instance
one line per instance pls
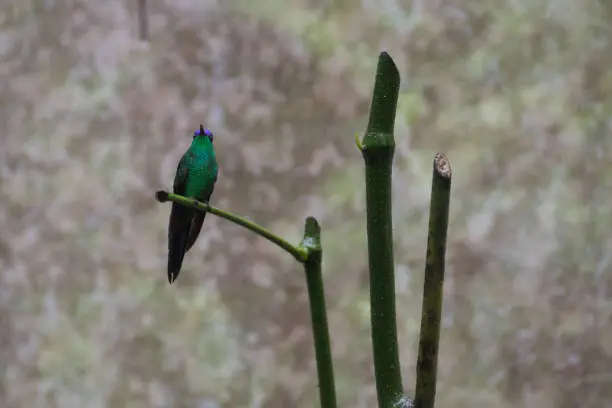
(93, 121)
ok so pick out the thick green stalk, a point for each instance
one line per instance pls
(431, 312)
(318, 313)
(378, 147)
(298, 252)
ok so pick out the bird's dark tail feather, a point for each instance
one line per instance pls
(178, 232)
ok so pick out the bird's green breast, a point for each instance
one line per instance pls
(202, 169)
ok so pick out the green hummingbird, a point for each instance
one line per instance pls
(195, 177)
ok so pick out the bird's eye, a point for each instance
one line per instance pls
(208, 133)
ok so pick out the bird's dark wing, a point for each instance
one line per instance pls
(182, 174)
(178, 225)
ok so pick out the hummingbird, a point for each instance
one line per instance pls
(195, 177)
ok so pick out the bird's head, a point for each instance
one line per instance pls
(203, 133)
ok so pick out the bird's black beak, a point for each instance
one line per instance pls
(201, 129)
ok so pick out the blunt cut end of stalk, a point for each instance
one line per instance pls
(312, 230)
(381, 123)
(442, 166)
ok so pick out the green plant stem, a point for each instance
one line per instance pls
(298, 252)
(378, 148)
(318, 313)
(431, 312)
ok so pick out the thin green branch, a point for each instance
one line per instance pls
(431, 313)
(318, 313)
(378, 148)
(299, 252)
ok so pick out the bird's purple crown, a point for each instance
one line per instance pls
(202, 132)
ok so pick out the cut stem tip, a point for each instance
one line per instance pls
(442, 166)
(161, 196)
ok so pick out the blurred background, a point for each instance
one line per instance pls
(93, 121)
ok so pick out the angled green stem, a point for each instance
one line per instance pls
(377, 148)
(299, 253)
(431, 312)
(318, 312)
